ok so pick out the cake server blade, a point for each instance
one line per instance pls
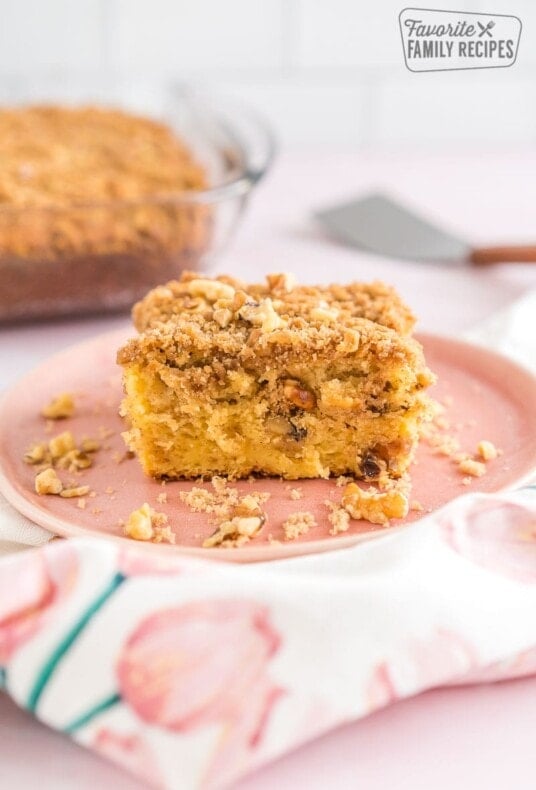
(378, 224)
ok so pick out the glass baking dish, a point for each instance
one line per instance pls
(102, 257)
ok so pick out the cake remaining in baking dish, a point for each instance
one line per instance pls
(276, 379)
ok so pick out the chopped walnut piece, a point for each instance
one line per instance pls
(234, 533)
(211, 290)
(296, 493)
(262, 315)
(239, 517)
(61, 444)
(88, 445)
(295, 392)
(298, 524)
(61, 451)
(284, 282)
(162, 498)
(324, 313)
(350, 342)
(59, 408)
(248, 505)
(48, 482)
(37, 454)
(223, 316)
(487, 450)
(239, 300)
(141, 523)
(376, 507)
(78, 491)
(74, 460)
(473, 468)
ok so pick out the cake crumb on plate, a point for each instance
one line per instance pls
(298, 524)
(471, 467)
(487, 450)
(59, 408)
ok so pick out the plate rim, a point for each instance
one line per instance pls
(66, 529)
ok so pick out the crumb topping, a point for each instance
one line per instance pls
(60, 156)
(298, 524)
(237, 518)
(338, 517)
(59, 408)
(272, 305)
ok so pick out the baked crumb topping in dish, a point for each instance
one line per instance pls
(91, 214)
(275, 379)
(65, 156)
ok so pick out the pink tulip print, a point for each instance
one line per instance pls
(201, 664)
(29, 589)
(442, 657)
(499, 537)
(136, 562)
(519, 666)
(129, 751)
(380, 689)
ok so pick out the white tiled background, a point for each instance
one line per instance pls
(325, 71)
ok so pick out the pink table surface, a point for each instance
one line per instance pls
(475, 737)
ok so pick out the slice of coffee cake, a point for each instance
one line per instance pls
(276, 379)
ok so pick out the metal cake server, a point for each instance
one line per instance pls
(381, 225)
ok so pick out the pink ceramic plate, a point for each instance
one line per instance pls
(491, 398)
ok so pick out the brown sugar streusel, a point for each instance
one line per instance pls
(338, 517)
(298, 524)
(236, 518)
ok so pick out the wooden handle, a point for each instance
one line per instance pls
(484, 256)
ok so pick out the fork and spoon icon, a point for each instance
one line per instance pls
(486, 29)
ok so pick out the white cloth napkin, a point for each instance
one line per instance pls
(192, 673)
(18, 532)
